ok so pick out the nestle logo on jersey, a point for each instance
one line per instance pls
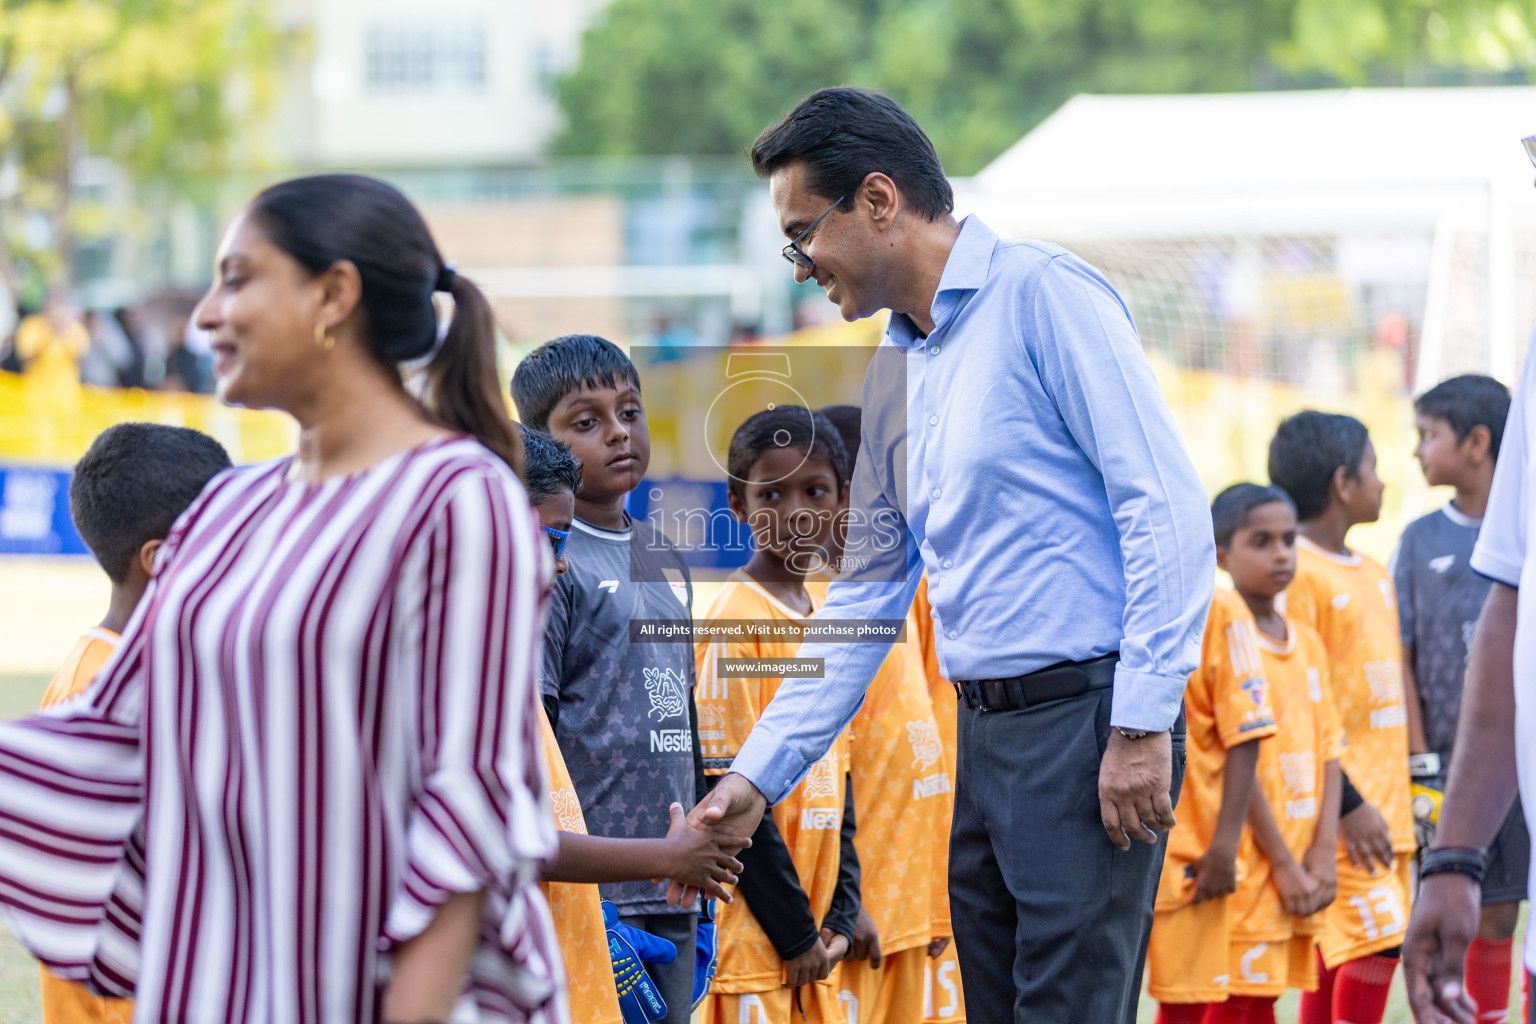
(1301, 810)
(933, 785)
(671, 741)
(819, 819)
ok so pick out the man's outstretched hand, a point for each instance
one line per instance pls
(734, 807)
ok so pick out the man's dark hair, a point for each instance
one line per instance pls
(787, 426)
(1307, 449)
(843, 135)
(133, 482)
(548, 466)
(1468, 401)
(849, 421)
(1229, 512)
(558, 367)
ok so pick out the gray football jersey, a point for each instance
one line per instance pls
(624, 726)
(1438, 601)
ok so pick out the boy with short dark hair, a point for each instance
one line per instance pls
(1228, 713)
(1326, 463)
(623, 712)
(1460, 423)
(127, 490)
(553, 479)
(780, 944)
(1287, 863)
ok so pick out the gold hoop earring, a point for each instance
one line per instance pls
(324, 339)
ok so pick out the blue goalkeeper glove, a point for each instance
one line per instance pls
(639, 1000)
(704, 956)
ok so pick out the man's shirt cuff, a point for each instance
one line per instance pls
(1145, 701)
(769, 764)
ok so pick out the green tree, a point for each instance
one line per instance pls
(158, 87)
(704, 76)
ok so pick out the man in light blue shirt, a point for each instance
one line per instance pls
(1014, 432)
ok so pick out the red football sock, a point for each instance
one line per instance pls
(1242, 1010)
(1488, 963)
(1316, 1007)
(1261, 1010)
(1360, 992)
(1233, 1011)
(1181, 1013)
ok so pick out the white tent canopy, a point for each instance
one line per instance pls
(1401, 178)
(1291, 161)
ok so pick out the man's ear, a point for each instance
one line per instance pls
(147, 556)
(879, 195)
(1477, 443)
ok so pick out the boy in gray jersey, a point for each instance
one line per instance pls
(623, 712)
(1460, 424)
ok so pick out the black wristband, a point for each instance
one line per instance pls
(1349, 798)
(1453, 860)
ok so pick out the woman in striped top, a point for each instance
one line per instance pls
(307, 789)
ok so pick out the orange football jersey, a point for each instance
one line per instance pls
(1226, 703)
(1349, 600)
(577, 909)
(1290, 775)
(69, 1002)
(946, 713)
(809, 819)
(902, 799)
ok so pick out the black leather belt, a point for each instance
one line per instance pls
(1054, 682)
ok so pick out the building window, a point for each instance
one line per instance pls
(425, 58)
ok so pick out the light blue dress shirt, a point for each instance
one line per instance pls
(1029, 464)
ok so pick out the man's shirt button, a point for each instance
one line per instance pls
(948, 563)
(935, 494)
(934, 350)
(954, 634)
(933, 421)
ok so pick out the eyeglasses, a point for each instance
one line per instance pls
(1530, 147)
(557, 539)
(792, 251)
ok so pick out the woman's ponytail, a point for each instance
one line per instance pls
(462, 384)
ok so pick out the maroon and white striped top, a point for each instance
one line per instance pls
(319, 723)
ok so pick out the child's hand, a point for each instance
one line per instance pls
(1322, 864)
(1298, 889)
(1215, 875)
(809, 967)
(700, 860)
(937, 947)
(866, 940)
(837, 946)
(1366, 838)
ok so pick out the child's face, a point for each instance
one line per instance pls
(1262, 556)
(1361, 493)
(607, 432)
(556, 513)
(1443, 459)
(791, 501)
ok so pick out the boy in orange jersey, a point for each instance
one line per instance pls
(553, 476)
(780, 944)
(1227, 704)
(1288, 852)
(1327, 465)
(903, 800)
(126, 492)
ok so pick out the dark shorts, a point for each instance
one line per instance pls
(1509, 861)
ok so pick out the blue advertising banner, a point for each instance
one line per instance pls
(34, 513)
